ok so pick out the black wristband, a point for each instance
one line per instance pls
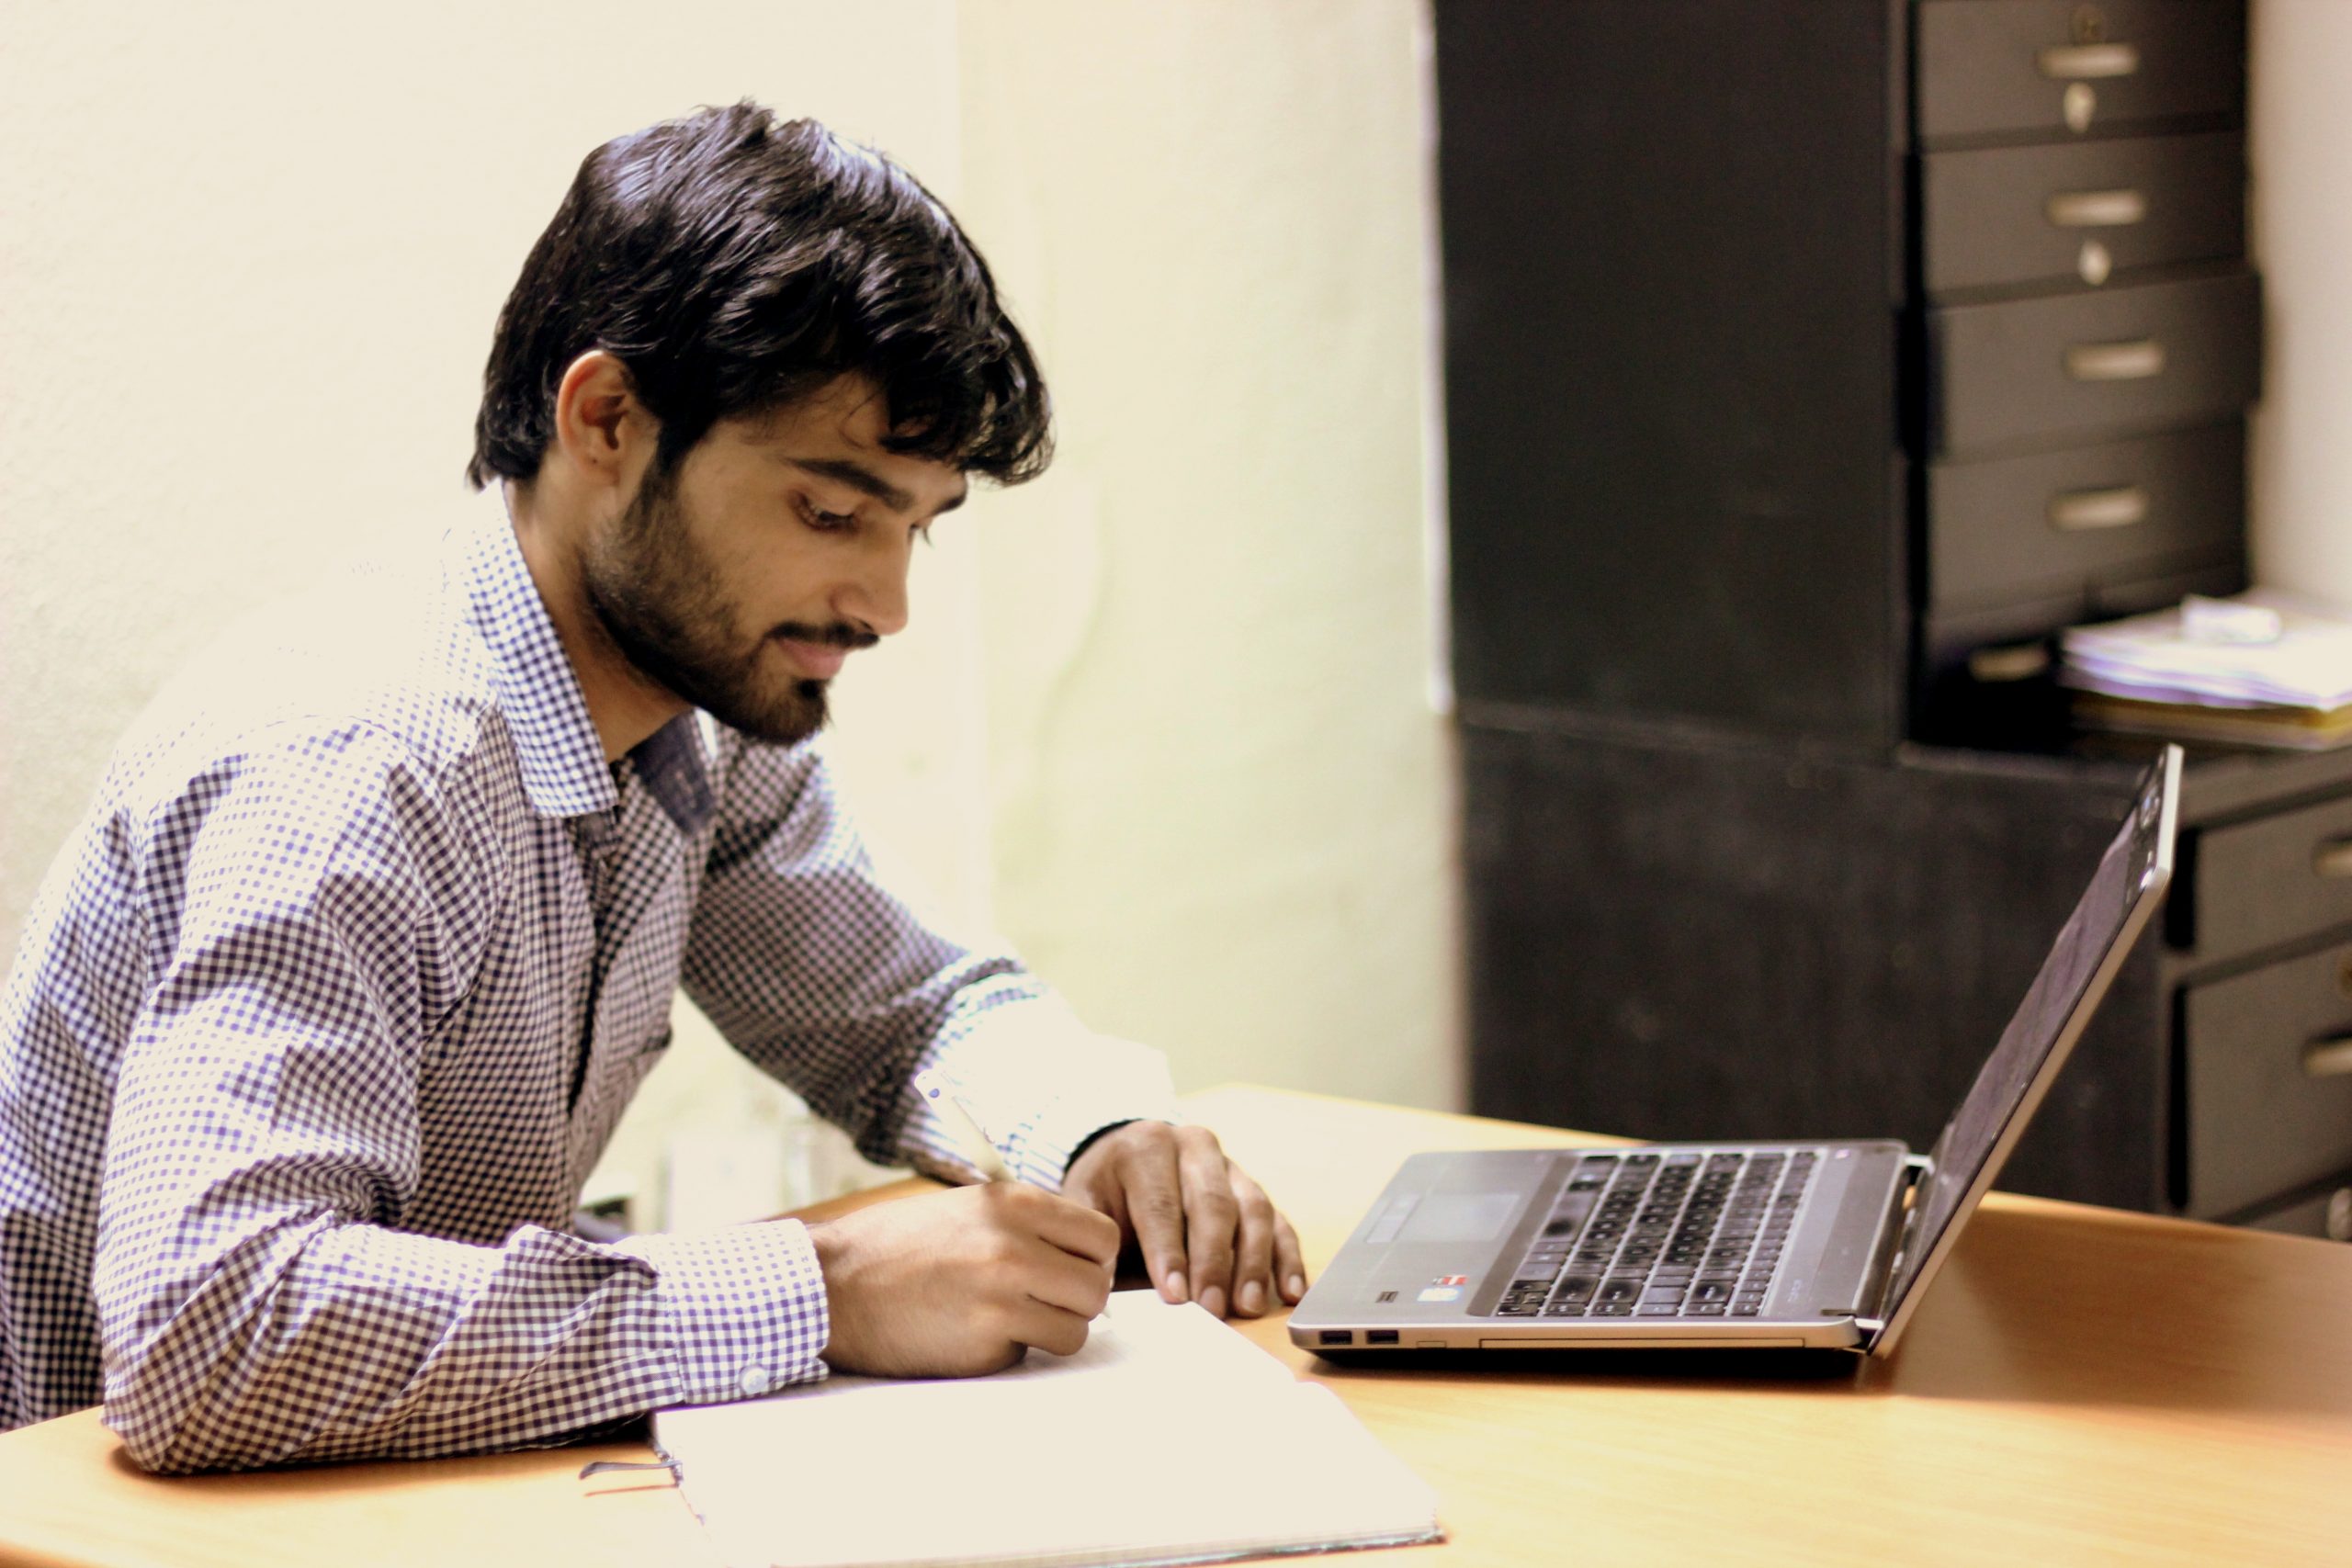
(1087, 1142)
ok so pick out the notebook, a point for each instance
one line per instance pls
(1828, 1244)
(1168, 1438)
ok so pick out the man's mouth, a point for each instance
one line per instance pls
(816, 660)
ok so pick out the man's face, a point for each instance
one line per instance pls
(776, 548)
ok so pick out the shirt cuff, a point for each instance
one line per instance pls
(740, 1312)
(1040, 1084)
(1041, 1146)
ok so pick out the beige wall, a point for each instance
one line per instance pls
(1160, 716)
(2301, 153)
(1219, 793)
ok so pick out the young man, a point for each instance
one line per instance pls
(324, 1014)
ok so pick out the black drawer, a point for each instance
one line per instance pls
(2007, 67)
(1985, 674)
(2053, 370)
(2274, 879)
(2268, 1110)
(2021, 215)
(2068, 522)
(2216, 579)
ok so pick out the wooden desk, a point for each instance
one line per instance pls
(2083, 1387)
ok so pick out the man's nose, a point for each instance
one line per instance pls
(876, 599)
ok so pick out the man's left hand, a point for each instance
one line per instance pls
(1206, 1232)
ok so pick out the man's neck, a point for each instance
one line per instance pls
(623, 704)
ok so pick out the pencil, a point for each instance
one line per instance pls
(978, 1147)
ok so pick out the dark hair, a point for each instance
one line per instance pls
(733, 264)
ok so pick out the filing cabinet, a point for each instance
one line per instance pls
(1683, 933)
(1805, 359)
(1808, 365)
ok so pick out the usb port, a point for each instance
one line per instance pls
(1380, 1336)
(1337, 1336)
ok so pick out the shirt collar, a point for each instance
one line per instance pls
(562, 759)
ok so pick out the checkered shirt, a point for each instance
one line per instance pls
(328, 1006)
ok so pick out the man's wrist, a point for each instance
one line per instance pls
(1092, 1138)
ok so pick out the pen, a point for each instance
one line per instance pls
(979, 1147)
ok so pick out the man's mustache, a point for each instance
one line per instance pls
(833, 636)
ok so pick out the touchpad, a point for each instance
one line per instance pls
(1461, 1216)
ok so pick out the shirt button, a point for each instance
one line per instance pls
(754, 1381)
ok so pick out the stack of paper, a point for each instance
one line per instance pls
(1168, 1438)
(2261, 668)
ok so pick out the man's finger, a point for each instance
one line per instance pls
(1056, 1279)
(1290, 1266)
(1045, 1327)
(1154, 1196)
(1210, 1217)
(1253, 1249)
(1076, 1229)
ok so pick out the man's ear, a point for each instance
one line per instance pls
(600, 426)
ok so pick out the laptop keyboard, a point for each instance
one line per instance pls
(1688, 1234)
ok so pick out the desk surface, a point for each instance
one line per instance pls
(2084, 1386)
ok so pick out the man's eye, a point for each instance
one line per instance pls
(826, 522)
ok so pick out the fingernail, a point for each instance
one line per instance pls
(1172, 1285)
(1254, 1297)
(1295, 1286)
(1214, 1300)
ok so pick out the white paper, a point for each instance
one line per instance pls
(2150, 658)
(1169, 1437)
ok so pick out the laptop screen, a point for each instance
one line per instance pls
(2122, 893)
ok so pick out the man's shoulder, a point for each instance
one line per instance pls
(378, 658)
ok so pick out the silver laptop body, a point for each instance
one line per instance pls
(1823, 1244)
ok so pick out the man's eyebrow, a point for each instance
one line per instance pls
(857, 476)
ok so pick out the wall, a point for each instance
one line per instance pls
(1159, 716)
(2300, 134)
(1219, 789)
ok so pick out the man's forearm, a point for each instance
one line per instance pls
(317, 1340)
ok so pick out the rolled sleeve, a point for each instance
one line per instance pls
(1040, 1084)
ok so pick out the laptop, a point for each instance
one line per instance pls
(1815, 1244)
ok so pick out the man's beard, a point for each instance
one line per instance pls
(664, 607)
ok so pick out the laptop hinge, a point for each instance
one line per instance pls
(1917, 1168)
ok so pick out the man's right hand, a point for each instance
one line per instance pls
(953, 1284)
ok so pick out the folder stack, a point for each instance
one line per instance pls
(2259, 669)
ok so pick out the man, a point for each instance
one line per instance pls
(326, 1011)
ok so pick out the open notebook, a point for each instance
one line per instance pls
(1168, 1438)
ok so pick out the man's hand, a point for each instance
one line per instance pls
(953, 1284)
(1206, 1232)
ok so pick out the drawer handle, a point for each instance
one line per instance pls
(1998, 666)
(2135, 361)
(2079, 510)
(2090, 61)
(2329, 1058)
(2096, 209)
(2333, 858)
